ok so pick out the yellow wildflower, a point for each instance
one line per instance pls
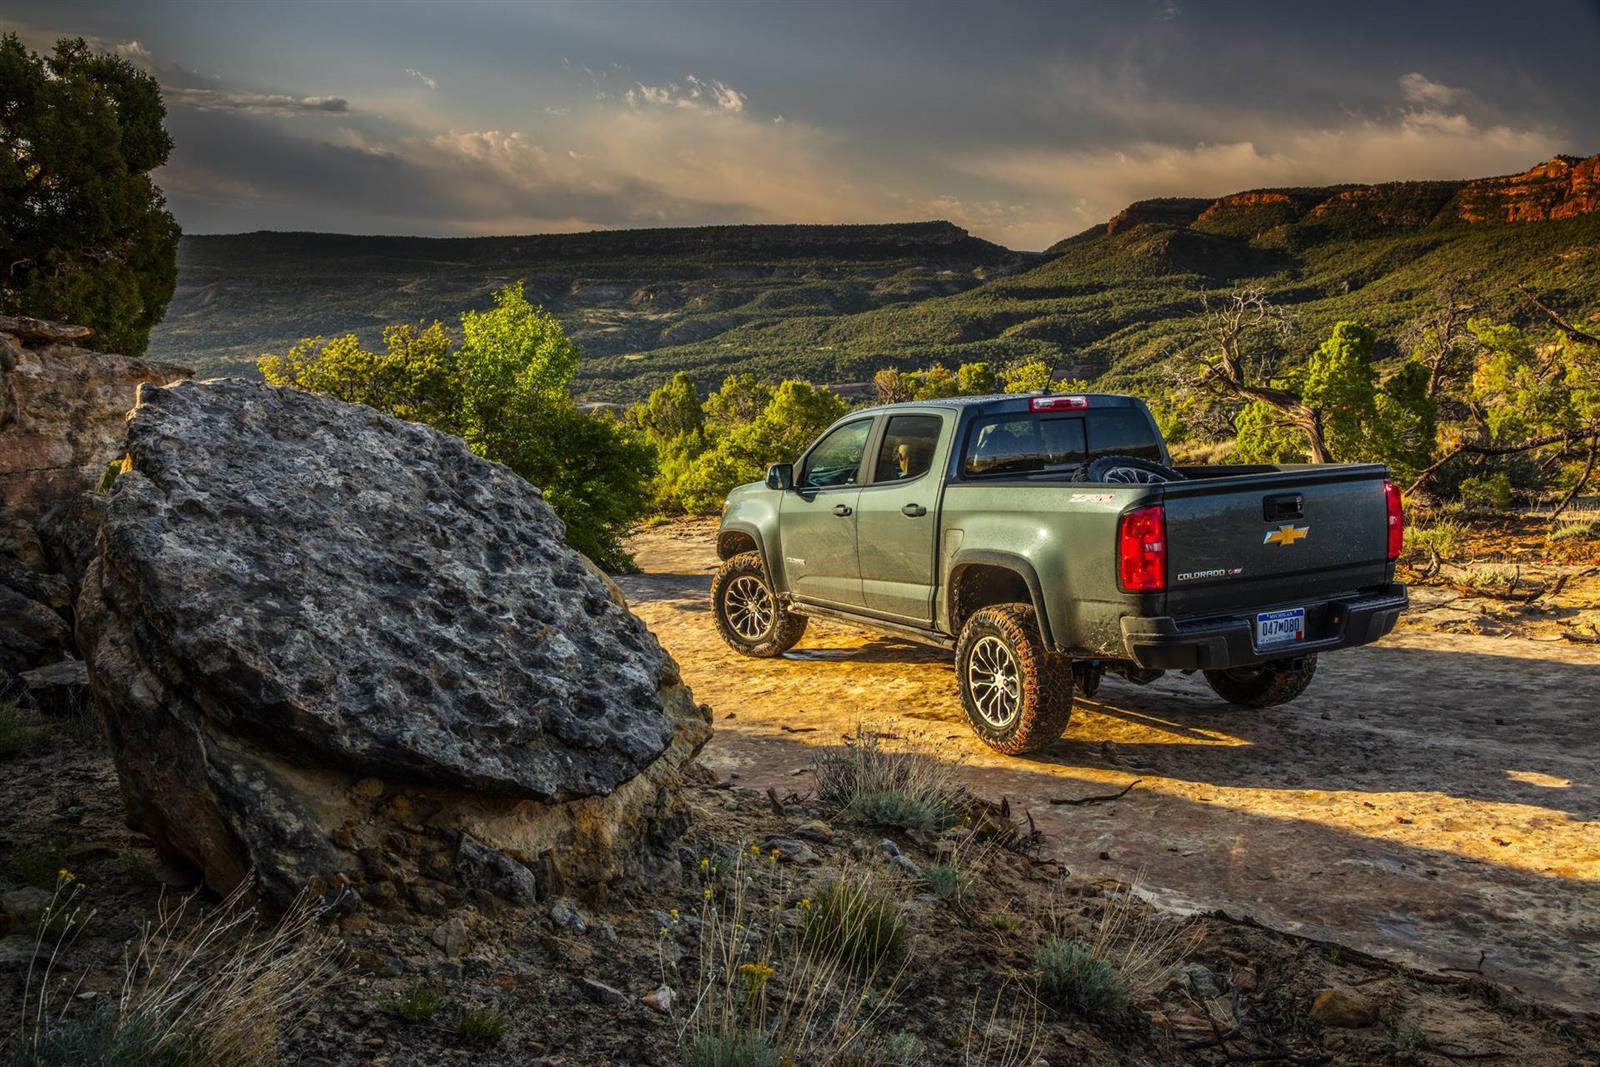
(66, 875)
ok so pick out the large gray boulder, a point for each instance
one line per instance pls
(327, 644)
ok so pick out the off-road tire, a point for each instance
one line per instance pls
(779, 636)
(1273, 682)
(1097, 470)
(1044, 699)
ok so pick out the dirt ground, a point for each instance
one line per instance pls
(1433, 799)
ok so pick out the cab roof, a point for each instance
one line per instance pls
(1106, 400)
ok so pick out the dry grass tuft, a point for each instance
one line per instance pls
(771, 993)
(211, 992)
(903, 787)
(1131, 952)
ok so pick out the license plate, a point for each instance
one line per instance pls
(1280, 627)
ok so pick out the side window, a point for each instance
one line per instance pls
(1122, 432)
(837, 458)
(908, 445)
(1024, 444)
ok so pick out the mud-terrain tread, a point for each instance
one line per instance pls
(1277, 684)
(1094, 470)
(1047, 679)
(787, 628)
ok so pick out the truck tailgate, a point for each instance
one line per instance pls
(1258, 540)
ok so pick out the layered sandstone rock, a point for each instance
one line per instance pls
(62, 409)
(339, 649)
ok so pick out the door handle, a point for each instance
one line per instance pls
(841, 509)
(915, 511)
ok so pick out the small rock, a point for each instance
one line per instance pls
(25, 903)
(61, 689)
(601, 993)
(451, 936)
(565, 913)
(1203, 981)
(899, 859)
(488, 868)
(790, 850)
(815, 830)
(1245, 980)
(1343, 1009)
(660, 1001)
(368, 789)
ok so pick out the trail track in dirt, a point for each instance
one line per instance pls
(1434, 798)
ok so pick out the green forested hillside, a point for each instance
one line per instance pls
(617, 293)
(834, 303)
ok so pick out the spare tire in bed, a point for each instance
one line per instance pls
(1126, 469)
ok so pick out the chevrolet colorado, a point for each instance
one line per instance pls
(1047, 540)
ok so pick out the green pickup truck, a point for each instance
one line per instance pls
(1047, 539)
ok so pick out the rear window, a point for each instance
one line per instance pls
(1028, 443)
(1122, 432)
(1023, 444)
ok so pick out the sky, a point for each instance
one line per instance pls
(1022, 122)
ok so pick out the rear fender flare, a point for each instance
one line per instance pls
(1019, 565)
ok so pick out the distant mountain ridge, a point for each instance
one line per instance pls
(833, 303)
(1563, 187)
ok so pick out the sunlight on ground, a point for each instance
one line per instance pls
(1549, 781)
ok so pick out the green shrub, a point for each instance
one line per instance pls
(854, 922)
(731, 1050)
(99, 1039)
(1575, 531)
(482, 1026)
(901, 788)
(505, 390)
(1073, 978)
(420, 1003)
(1440, 539)
(1487, 492)
(948, 881)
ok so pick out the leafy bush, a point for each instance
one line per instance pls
(87, 237)
(1073, 978)
(505, 390)
(1438, 539)
(1486, 492)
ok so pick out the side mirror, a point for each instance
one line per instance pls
(780, 476)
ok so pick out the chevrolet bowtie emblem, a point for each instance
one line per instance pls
(1286, 535)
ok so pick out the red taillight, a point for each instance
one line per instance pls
(1142, 550)
(1058, 403)
(1397, 520)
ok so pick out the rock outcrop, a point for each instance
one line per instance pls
(340, 650)
(1563, 187)
(61, 412)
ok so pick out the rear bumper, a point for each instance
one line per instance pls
(1223, 641)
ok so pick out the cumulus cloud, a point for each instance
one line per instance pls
(423, 78)
(134, 52)
(254, 103)
(695, 94)
(1421, 89)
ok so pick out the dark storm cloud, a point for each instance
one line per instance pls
(1021, 121)
(255, 103)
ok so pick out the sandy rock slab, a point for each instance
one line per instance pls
(340, 650)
